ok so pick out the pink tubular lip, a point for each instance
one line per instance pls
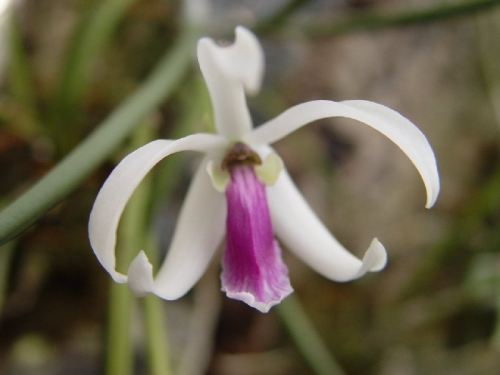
(252, 267)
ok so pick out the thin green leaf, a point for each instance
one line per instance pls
(75, 167)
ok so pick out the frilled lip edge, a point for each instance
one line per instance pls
(250, 300)
(263, 304)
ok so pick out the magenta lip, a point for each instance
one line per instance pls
(253, 270)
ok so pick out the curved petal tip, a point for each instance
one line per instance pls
(119, 278)
(374, 259)
(140, 275)
(432, 186)
(242, 61)
(252, 71)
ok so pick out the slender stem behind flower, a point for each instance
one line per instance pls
(306, 337)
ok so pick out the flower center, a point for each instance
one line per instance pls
(240, 154)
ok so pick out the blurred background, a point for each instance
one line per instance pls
(435, 309)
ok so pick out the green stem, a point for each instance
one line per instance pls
(154, 317)
(21, 82)
(194, 116)
(157, 342)
(119, 345)
(306, 338)
(202, 325)
(88, 42)
(96, 27)
(495, 337)
(119, 353)
(99, 145)
(6, 252)
(368, 21)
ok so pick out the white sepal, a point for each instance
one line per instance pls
(304, 234)
(387, 121)
(229, 72)
(120, 185)
(198, 234)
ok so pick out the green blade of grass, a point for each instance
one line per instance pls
(306, 337)
(77, 165)
(96, 27)
(371, 20)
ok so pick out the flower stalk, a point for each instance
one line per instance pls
(306, 338)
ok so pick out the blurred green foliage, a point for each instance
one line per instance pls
(82, 76)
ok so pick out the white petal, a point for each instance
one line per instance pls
(199, 232)
(229, 72)
(304, 234)
(388, 122)
(120, 185)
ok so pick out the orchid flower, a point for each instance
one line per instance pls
(242, 191)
